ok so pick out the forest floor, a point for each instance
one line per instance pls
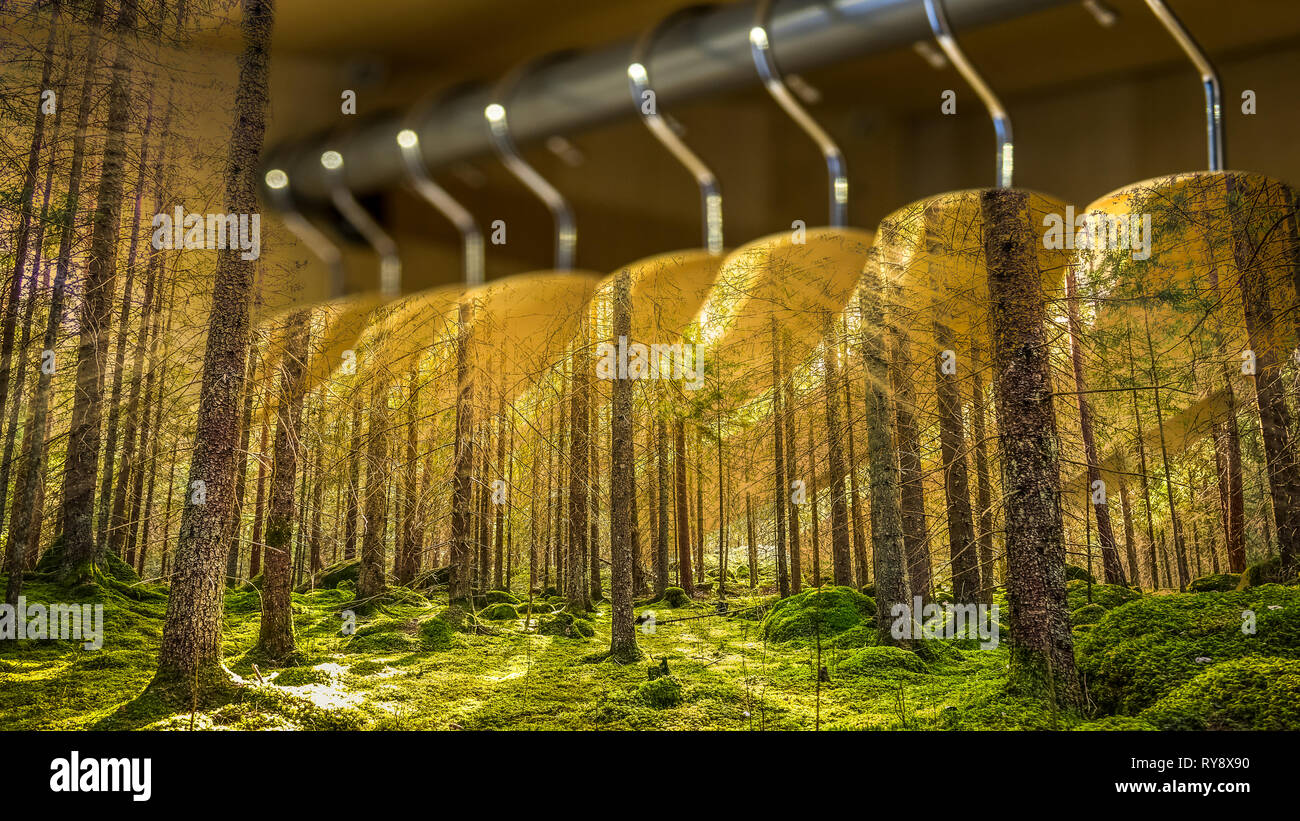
(726, 672)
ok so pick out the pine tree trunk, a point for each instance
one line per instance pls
(81, 459)
(983, 480)
(1042, 653)
(275, 639)
(622, 501)
(791, 472)
(259, 504)
(461, 535)
(860, 563)
(841, 563)
(374, 555)
(190, 655)
(816, 514)
(405, 561)
(751, 541)
(662, 493)
(778, 460)
(888, 546)
(685, 579)
(956, 480)
(241, 472)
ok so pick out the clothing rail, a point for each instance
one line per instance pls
(699, 54)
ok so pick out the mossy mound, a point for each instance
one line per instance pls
(1215, 583)
(1140, 652)
(384, 636)
(499, 611)
(438, 632)
(675, 597)
(1088, 614)
(566, 624)
(1243, 694)
(1073, 571)
(824, 610)
(660, 693)
(1108, 596)
(500, 597)
(882, 662)
(298, 676)
(347, 570)
(864, 635)
(1266, 572)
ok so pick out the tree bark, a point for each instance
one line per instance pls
(778, 458)
(841, 563)
(622, 504)
(371, 580)
(275, 638)
(956, 480)
(1042, 653)
(190, 656)
(684, 576)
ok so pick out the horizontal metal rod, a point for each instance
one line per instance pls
(698, 55)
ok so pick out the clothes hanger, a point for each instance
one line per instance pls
(1227, 239)
(794, 279)
(667, 290)
(530, 318)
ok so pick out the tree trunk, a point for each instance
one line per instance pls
(622, 502)
(259, 504)
(374, 554)
(684, 577)
(860, 563)
(888, 546)
(81, 460)
(241, 472)
(1042, 653)
(752, 542)
(661, 543)
(275, 639)
(956, 480)
(351, 524)
(816, 514)
(190, 656)
(778, 458)
(841, 563)
(792, 509)
(984, 483)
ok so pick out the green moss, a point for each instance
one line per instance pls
(675, 597)
(1116, 723)
(298, 676)
(1073, 571)
(1218, 582)
(825, 611)
(1088, 614)
(1243, 694)
(333, 576)
(1143, 650)
(500, 597)
(437, 633)
(660, 693)
(499, 612)
(881, 662)
(1106, 595)
(1265, 572)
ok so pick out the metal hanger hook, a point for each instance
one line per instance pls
(417, 172)
(497, 116)
(760, 46)
(390, 264)
(278, 191)
(1005, 161)
(647, 103)
(1209, 79)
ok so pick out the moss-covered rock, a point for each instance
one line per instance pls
(1141, 651)
(1116, 723)
(660, 693)
(499, 612)
(1073, 571)
(566, 624)
(882, 662)
(298, 676)
(436, 633)
(1214, 583)
(347, 570)
(1265, 572)
(1088, 614)
(675, 597)
(824, 610)
(1107, 595)
(1253, 693)
(500, 597)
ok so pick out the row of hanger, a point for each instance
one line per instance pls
(714, 273)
